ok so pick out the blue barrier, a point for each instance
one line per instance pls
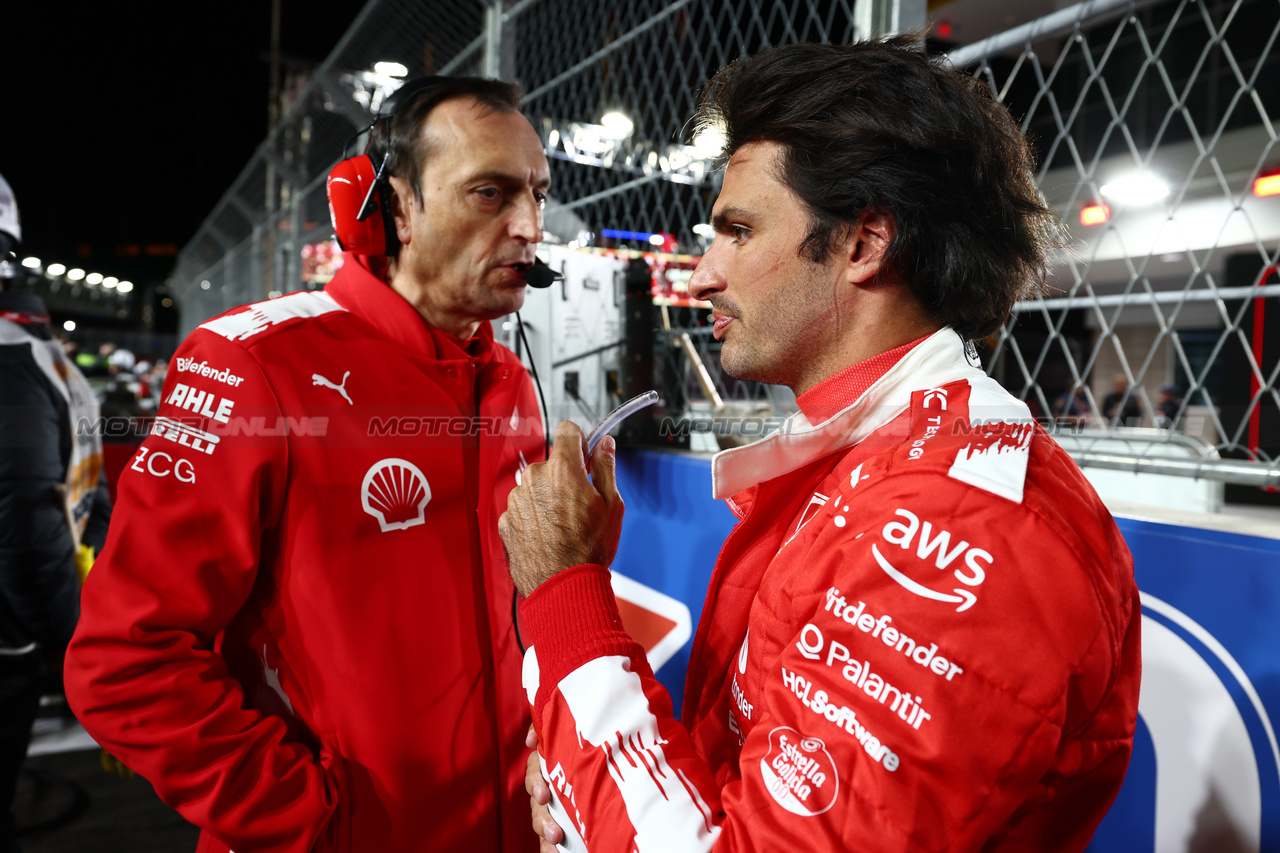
(1206, 768)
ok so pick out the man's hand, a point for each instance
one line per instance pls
(548, 831)
(558, 517)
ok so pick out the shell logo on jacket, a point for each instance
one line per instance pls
(396, 493)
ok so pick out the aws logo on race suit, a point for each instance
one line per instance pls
(924, 550)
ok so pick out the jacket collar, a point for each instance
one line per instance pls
(364, 294)
(937, 360)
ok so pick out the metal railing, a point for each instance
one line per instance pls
(1172, 292)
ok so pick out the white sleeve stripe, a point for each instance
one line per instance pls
(697, 798)
(606, 700)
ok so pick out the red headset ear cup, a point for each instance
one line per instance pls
(347, 187)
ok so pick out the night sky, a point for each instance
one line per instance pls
(124, 123)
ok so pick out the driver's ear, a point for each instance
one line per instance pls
(402, 201)
(868, 245)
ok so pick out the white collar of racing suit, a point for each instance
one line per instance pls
(936, 361)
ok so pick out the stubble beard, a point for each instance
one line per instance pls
(774, 348)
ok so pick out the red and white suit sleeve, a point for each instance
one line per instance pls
(142, 671)
(853, 742)
(622, 771)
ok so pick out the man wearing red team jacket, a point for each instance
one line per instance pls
(922, 635)
(300, 630)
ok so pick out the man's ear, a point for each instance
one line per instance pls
(868, 245)
(402, 200)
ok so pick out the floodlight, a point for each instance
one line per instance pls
(1094, 214)
(1135, 188)
(56, 269)
(390, 69)
(93, 278)
(75, 274)
(124, 286)
(1264, 186)
(31, 263)
(69, 325)
(618, 124)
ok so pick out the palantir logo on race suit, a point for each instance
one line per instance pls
(908, 707)
(936, 545)
(799, 773)
(396, 493)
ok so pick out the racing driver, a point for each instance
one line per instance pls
(923, 633)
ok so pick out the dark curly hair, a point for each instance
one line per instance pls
(879, 125)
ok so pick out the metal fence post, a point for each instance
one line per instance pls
(877, 18)
(491, 67)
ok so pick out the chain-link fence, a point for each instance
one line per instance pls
(1153, 122)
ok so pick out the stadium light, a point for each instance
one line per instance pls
(390, 69)
(618, 124)
(56, 269)
(69, 325)
(124, 287)
(75, 274)
(110, 281)
(93, 278)
(31, 263)
(1263, 186)
(1135, 188)
(1094, 213)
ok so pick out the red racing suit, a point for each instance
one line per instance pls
(300, 629)
(922, 635)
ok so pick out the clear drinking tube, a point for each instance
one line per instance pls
(617, 416)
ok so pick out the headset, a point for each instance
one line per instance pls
(359, 189)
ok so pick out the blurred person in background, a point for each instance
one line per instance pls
(1168, 404)
(302, 629)
(1128, 416)
(53, 504)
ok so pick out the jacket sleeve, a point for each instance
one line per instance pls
(143, 673)
(622, 771)
(38, 584)
(882, 719)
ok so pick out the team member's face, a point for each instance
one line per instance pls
(466, 244)
(774, 309)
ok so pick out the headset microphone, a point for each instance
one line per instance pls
(540, 275)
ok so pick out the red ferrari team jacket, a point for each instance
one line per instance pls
(300, 630)
(923, 635)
